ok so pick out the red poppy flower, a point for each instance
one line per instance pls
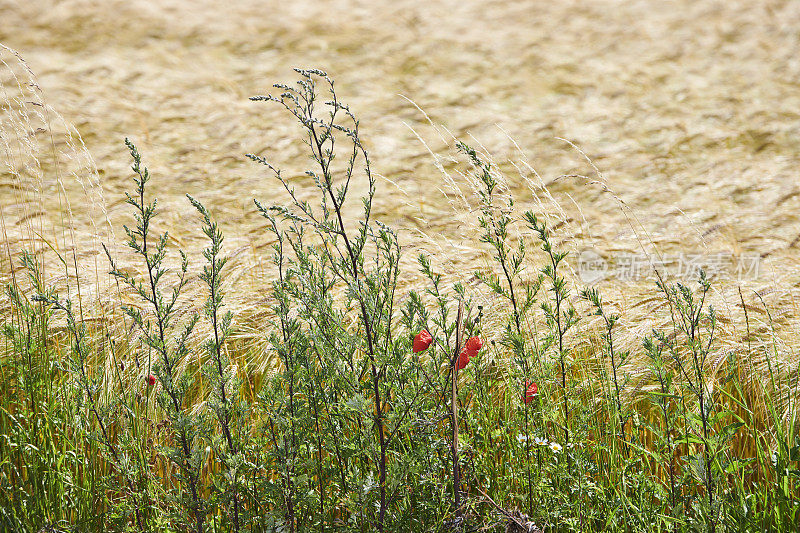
(422, 340)
(463, 358)
(531, 388)
(470, 350)
(473, 346)
(151, 380)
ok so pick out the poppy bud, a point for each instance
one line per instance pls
(531, 388)
(422, 340)
(151, 380)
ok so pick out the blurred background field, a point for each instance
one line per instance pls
(636, 127)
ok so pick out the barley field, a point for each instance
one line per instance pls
(640, 128)
(645, 133)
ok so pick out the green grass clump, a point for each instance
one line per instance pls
(357, 427)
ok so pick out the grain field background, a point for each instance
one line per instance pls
(639, 128)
